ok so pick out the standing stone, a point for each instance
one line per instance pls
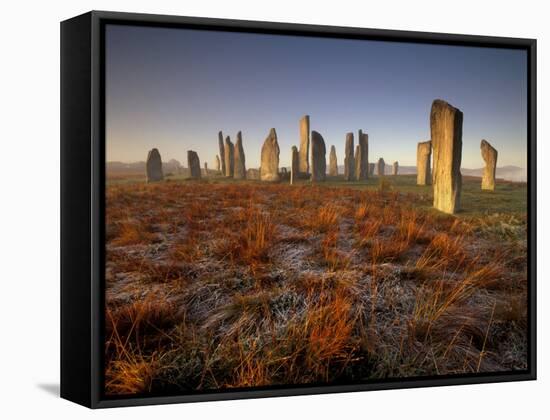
(304, 144)
(239, 165)
(372, 166)
(395, 169)
(218, 168)
(381, 167)
(356, 158)
(318, 158)
(205, 168)
(349, 160)
(423, 158)
(154, 166)
(446, 130)
(222, 151)
(489, 155)
(333, 162)
(294, 164)
(194, 164)
(362, 156)
(229, 158)
(269, 169)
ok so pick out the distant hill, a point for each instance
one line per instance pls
(508, 173)
(172, 165)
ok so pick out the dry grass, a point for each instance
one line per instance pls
(215, 286)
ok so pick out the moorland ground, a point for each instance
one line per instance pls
(219, 284)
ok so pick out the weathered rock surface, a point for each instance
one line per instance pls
(489, 155)
(294, 164)
(362, 156)
(269, 169)
(304, 144)
(355, 159)
(153, 166)
(318, 157)
(218, 167)
(381, 167)
(349, 160)
(332, 162)
(372, 166)
(446, 131)
(194, 164)
(423, 158)
(239, 163)
(222, 152)
(229, 158)
(395, 168)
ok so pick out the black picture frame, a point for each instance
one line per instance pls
(82, 202)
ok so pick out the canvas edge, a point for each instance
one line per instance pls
(97, 187)
(76, 262)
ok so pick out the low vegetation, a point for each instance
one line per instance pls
(214, 285)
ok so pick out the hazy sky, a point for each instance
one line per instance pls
(174, 89)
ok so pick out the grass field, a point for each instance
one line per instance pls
(221, 284)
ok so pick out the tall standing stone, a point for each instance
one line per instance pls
(153, 166)
(349, 160)
(229, 158)
(222, 151)
(423, 158)
(372, 166)
(356, 158)
(194, 164)
(318, 157)
(489, 155)
(239, 165)
(395, 168)
(362, 156)
(304, 144)
(205, 168)
(269, 169)
(294, 164)
(332, 162)
(218, 167)
(381, 167)
(446, 130)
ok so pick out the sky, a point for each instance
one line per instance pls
(174, 89)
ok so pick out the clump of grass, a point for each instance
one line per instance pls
(326, 218)
(383, 251)
(138, 321)
(319, 345)
(258, 236)
(368, 231)
(443, 252)
(130, 331)
(130, 373)
(129, 232)
(250, 243)
(361, 211)
(333, 258)
(411, 229)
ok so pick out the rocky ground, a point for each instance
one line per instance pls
(215, 285)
